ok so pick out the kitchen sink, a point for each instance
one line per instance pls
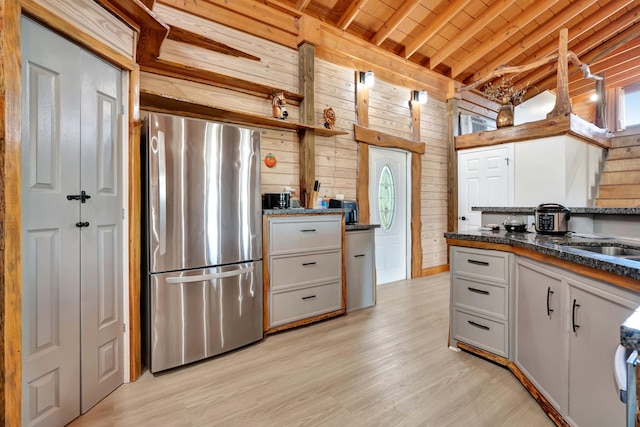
(611, 251)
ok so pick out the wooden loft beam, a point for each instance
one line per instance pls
(528, 15)
(185, 36)
(350, 14)
(468, 32)
(543, 77)
(626, 57)
(434, 26)
(530, 40)
(615, 76)
(394, 21)
(563, 102)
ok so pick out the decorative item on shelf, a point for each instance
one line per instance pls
(329, 118)
(278, 109)
(270, 160)
(508, 96)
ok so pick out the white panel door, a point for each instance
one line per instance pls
(485, 178)
(72, 291)
(388, 178)
(101, 295)
(51, 240)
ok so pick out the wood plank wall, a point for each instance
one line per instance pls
(336, 156)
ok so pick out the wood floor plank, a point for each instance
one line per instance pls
(388, 365)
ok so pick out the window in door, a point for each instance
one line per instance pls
(386, 197)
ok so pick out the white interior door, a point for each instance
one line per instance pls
(389, 202)
(71, 279)
(485, 178)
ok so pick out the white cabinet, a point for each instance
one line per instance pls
(567, 332)
(303, 279)
(541, 348)
(480, 299)
(360, 269)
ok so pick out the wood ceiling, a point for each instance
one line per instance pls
(467, 39)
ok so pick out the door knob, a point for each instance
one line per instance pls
(464, 218)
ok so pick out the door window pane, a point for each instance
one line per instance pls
(386, 197)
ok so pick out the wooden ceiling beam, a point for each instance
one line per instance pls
(611, 73)
(350, 14)
(394, 21)
(549, 27)
(591, 56)
(523, 19)
(434, 26)
(626, 53)
(301, 5)
(468, 32)
(622, 79)
(185, 36)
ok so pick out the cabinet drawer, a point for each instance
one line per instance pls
(299, 304)
(480, 332)
(480, 263)
(304, 233)
(486, 298)
(305, 269)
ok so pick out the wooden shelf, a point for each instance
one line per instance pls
(563, 125)
(166, 104)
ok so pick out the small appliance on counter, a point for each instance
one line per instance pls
(276, 200)
(351, 216)
(515, 224)
(552, 218)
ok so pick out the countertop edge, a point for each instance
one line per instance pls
(574, 210)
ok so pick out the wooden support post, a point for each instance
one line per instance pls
(416, 211)
(563, 102)
(362, 189)
(601, 103)
(414, 108)
(306, 53)
(452, 165)
(362, 102)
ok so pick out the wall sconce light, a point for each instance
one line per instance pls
(594, 97)
(367, 78)
(421, 96)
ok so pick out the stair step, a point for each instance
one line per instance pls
(629, 191)
(617, 178)
(625, 141)
(618, 203)
(622, 165)
(632, 152)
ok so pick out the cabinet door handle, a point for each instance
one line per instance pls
(478, 291)
(473, 261)
(309, 263)
(478, 325)
(308, 230)
(549, 293)
(358, 256)
(309, 297)
(573, 315)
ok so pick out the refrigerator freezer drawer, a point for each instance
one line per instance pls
(201, 313)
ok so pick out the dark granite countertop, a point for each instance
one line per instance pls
(298, 211)
(575, 210)
(557, 246)
(357, 226)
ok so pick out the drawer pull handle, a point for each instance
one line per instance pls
(478, 291)
(360, 255)
(478, 325)
(473, 261)
(549, 293)
(308, 230)
(309, 263)
(309, 297)
(574, 309)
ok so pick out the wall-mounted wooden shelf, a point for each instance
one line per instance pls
(166, 104)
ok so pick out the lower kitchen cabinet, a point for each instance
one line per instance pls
(567, 332)
(360, 269)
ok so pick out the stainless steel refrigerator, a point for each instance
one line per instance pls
(203, 238)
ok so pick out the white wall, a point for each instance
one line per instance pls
(534, 109)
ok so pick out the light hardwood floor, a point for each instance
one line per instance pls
(388, 365)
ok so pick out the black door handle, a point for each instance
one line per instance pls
(573, 316)
(83, 196)
(82, 224)
(549, 293)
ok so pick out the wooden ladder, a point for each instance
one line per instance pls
(620, 184)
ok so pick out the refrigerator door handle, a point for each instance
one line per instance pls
(205, 277)
(162, 194)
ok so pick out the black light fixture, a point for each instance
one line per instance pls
(421, 96)
(367, 78)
